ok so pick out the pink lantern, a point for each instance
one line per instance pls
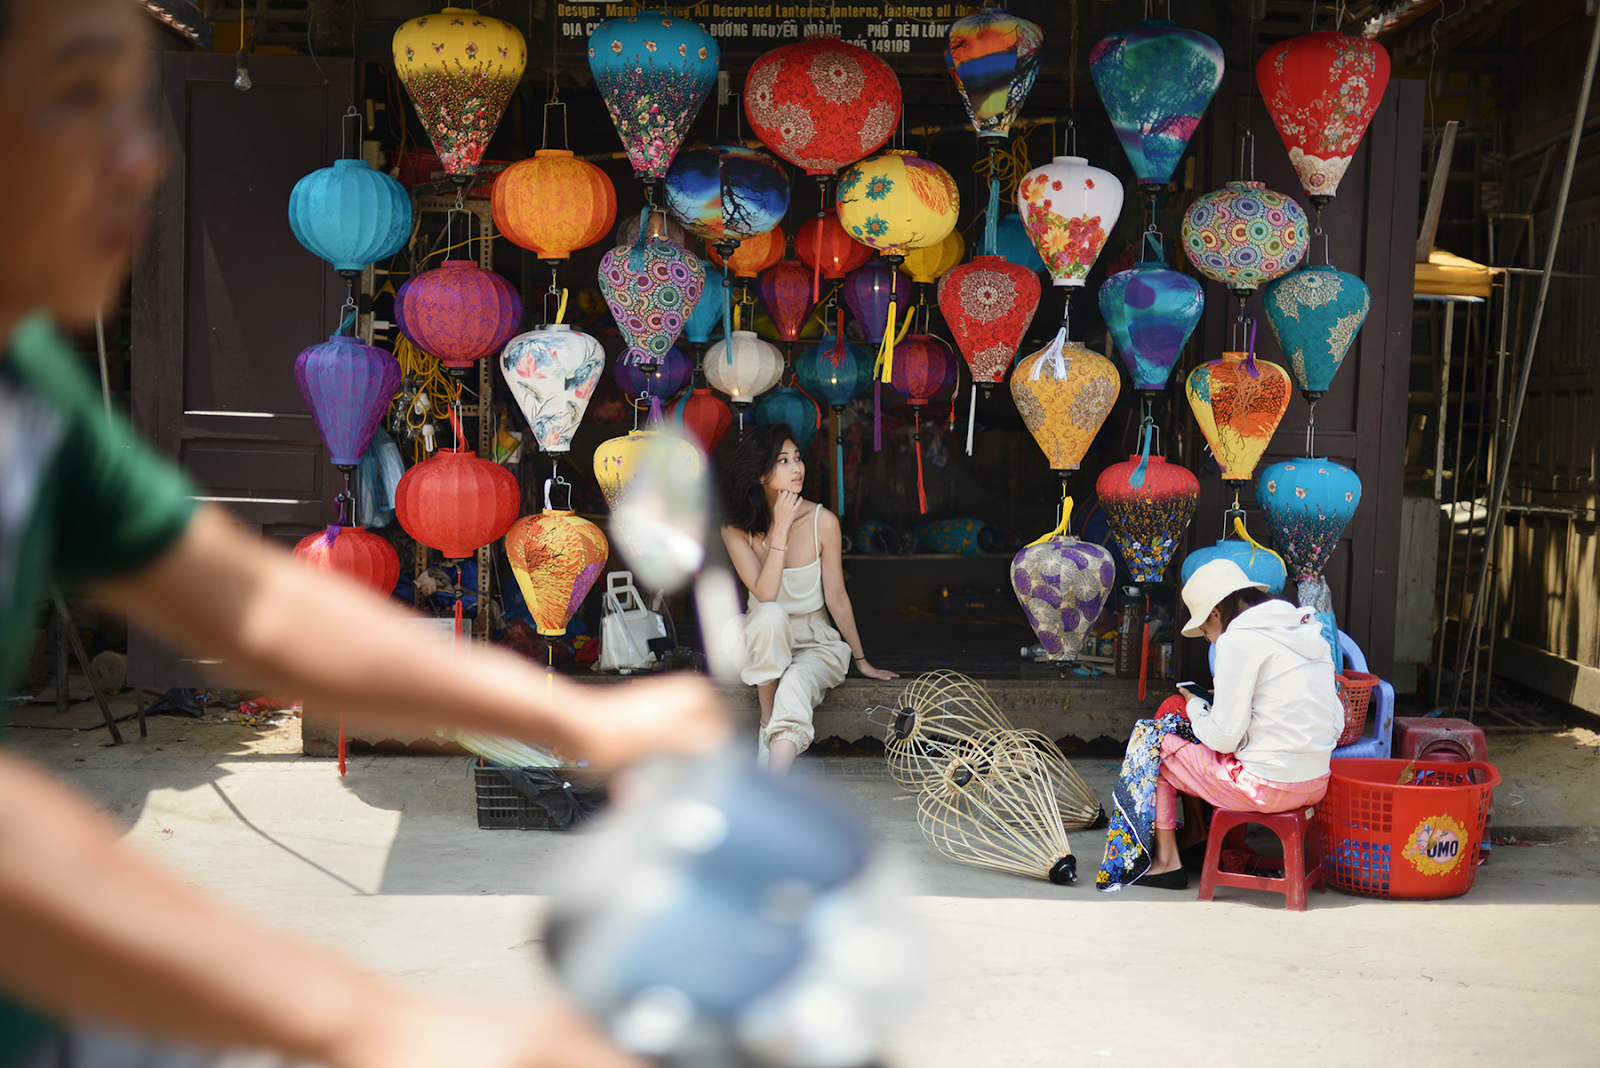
(458, 312)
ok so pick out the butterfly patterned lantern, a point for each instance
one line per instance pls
(1322, 90)
(1062, 584)
(823, 246)
(1069, 209)
(896, 201)
(557, 557)
(615, 461)
(654, 70)
(744, 369)
(1064, 393)
(1238, 401)
(927, 265)
(458, 312)
(460, 68)
(1308, 503)
(786, 404)
(753, 255)
(785, 291)
(655, 381)
(553, 204)
(651, 286)
(835, 372)
(924, 368)
(1245, 235)
(353, 551)
(726, 193)
(552, 372)
(1150, 311)
(350, 215)
(870, 291)
(1156, 81)
(1149, 503)
(457, 503)
(821, 104)
(1314, 313)
(988, 305)
(347, 387)
(1257, 561)
(704, 416)
(994, 57)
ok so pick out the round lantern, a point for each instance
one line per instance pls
(616, 460)
(362, 555)
(1149, 519)
(654, 70)
(457, 503)
(1314, 313)
(1238, 402)
(552, 372)
(994, 58)
(745, 369)
(821, 104)
(1257, 561)
(869, 293)
(1244, 235)
(704, 416)
(651, 287)
(557, 557)
(1062, 584)
(1064, 393)
(924, 367)
(1308, 503)
(460, 68)
(1156, 81)
(988, 305)
(658, 380)
(706, 315)
(835, 372)
(823, 246)
(350, 215)
(786, 404)
(553, 203)
(1323, 90)
(1150, 311)
(1069, 209)
(753, 255)
(727, 193)
(458, 312)
(785, 291)
(347, 387)
(928, 265)
(897, 201)
(1012, 243)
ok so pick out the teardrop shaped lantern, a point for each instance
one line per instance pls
(458, 312)
(1322, 90)
(1238, 401)
(1062, 583)
(457, 503)
(1013, 244)
(927, 265)
(1148, 520)
(896, 201)
(745, 370)
(988, 305)
(704, 416)
(753, 255)
(706, 315)
(1308, 503)
(1156, 81)
(1245, 235)
(460, 68)
(824, 246)
(350, 215)
(1150, 311)
(552, 372)
(786, 404)
(651, 287)
(353, 551)
(727, 192)
(1064, 393)
(347, 387)
(557, 557)
(1257, 561)
(1314, 313)
(553, 203)
(870, 291)
(1069, 209)
(821, 103)
(657, 381)
(616, 460)
(654, 70)
(785, 291)
(924, 367)
(994, 57)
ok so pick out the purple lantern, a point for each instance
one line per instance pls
(867, 292)
(347, 386)
(1062, 584)
(671, 374)
(458, 312)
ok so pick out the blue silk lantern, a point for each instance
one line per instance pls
(726, 193)
(347, 386)
(1314, 313)
(1013, 243)
(707, 313)
(835, 372)
(350, 215)
(1151, 310)
(1308, 503)
(654, 69)
(786, 404)
(1156, 81)
(1257, 561)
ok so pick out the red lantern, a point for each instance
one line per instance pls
(457, 503)
(924, 367)
(705, 416)
(353, 551)
(458, 312)
(785, 289)
(988, 305)
(822, 104)
(823, 245)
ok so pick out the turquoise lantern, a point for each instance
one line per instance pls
(350, 215)
(654, 70)
(1013, 243)
(835, 372)
(786, 404)
(1308, 503)
(1314, 313)
(706, 315)
(1151, 310)
(1257, 561)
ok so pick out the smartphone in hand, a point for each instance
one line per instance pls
(1198, 691)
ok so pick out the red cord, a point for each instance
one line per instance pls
(1144, 659)
(341, 747)
(922, 494)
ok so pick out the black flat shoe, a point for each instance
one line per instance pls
(1177, 879)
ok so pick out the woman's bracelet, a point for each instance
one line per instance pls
(858, 658)
(778, 548)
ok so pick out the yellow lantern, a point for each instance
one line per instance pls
(1239, 402)
(553, 203)
(1065, 392)
(897, 201)
(930, 264)
(460, 68)
(556, 556)
(616, 460)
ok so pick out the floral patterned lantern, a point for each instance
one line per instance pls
(744, 369)
(1308, 503)
(1148, 514)
(1156, 81)
(786, 404)
(654, 70)
(924, 368)
(460, 68)
(1064, 393)
(988, 305)
(870, 291)
(1062, 584)
(1238, 402)
(557, 557)
(552, 372)
(1323, 90)
(1151, 310)
(458, 312)
(704, 416)
(927, 265)
(457, 503)
(651, 287)
(726, 193)
(993, 57)
(347, 387)
(1069, 209)
(821, 103)
(753, 255)
(660, 381)
(785, 291)
(353, 551)
(1314, 313)
(553, 203)
(617, 459)
(1257, 561)
(350, 215)
(835, 372)
(897, 201)
(823, 245)
(1244, 235)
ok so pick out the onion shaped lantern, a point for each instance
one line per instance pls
(1314, 313)
(927, 265)
(1069, 209)
(616, 460)
(557, 557)
(1308, 503)
(823, 246)
(1151, 310)
(786, 404)
(353, 551)
(704, 416)
(347, 387)
(1245, 235)
(835, 372)
(744, 369)
(460, 68)
(924, 367)
(458, 312)
(350, 215)
(457, 503)
(821, 104)
(785, 291)
(1061, 584)
(1064, 393)
(1238, 402)
(552, 372)
(706, 315)
(1156, 81)
(753, 255)
(651, 287)
(994, 57)
(897, 201)
(1257, 561)
(988, 305)
(1322, 90)
(659, 381)
(654, 70)
(727, 193)
(553, 203)
(1148, 503)
(869, 293)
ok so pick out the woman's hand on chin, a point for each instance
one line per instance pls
(875, 673)
(784, 510)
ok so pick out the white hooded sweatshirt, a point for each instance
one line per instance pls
(1276, 708)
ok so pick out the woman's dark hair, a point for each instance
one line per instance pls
(745, 498)
(1233, 606)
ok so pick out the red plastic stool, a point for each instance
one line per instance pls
(1301, 853)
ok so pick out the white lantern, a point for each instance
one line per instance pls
(754, 367)
(1069, 209)
(552, 372)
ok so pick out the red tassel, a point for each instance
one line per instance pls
(922, 494)
(816, 263)
(1144, 653)
(341, 747)
(458, 609)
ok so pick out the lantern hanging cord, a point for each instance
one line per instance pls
(1072, 63)
(1008, 164)
(350, 113)
(555, 102)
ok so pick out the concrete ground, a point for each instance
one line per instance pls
(388, 865)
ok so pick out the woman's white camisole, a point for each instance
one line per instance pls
(800, 591)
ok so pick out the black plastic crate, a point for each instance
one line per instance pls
(501, 806)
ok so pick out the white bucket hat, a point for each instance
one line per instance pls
(1206, 588)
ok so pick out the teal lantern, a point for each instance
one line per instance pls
(786, 404)
(835, 372)
(654, 70)
(1308, 503)
(1151, 310)
(706, 315)
(1156, 81)
(1314, 313)
(1257, 561)
(350, 215)
(1013, 243)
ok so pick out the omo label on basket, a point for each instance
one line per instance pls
(1437, 845)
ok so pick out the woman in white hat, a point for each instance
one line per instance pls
(1266, 737)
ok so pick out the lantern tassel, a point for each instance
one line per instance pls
(886, 349)
(972, 417)
(636, 257)
(877, 416)
(1060, 530)
(341, 747)
(1255, 546)
(916, 438)
(1136, 480)
(838, 462)
(1250, 356)
(727, 318)
(655, 420)
(1144, 653)
(991, 224)
(1055, 355)
(561, 308)
(816, 261)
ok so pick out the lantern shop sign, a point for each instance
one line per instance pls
(750, 29)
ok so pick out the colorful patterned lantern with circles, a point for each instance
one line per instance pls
(616, 460)
(1308, 503)
(1150, 311)
(1149, 503)
(743, 369)
(1245, 235)
(785, 291)
(821, 103)
(753, 255)
(726, 193)
(553, 203)
(460, 68)
(993, 57)
(1069, 209)
(353, 551)
(457, 503)
(651, 287)
(557, 557)
(1064, 393)
(988, 305)
(458, 312)
(552, 372)
(924, 367)
(654, 70)
(350, 215)
(1314, 313)
(1238, 401)
(896, 201)
(786, 404)
(1062, 584)
(347, 387)
(703, 416)
(1156, 81)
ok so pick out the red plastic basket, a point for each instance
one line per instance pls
(1355, 690)
(1404, 828)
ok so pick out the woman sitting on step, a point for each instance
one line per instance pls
(786, 551)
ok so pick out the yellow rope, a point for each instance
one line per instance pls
(1010, 164)
(431, 379)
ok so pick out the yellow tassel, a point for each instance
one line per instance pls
(886, 352)
(1061, 528)
(1238, 526)
(561, 309)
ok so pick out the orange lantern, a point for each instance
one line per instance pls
(356, 552)
(1239, 402)
(754, 254)
(553, 203)
(557, 557)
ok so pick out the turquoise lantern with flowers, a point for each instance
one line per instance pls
(654, 70)
(350, 215)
